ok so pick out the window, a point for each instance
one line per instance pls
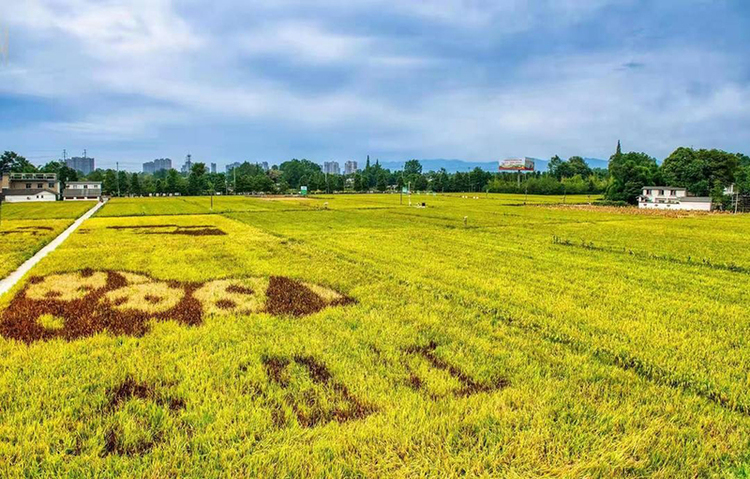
(51, 185)
(40, 185)
(28, 186)
(661, 192)
(648, 192)
(673, 193)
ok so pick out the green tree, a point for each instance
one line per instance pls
(412, 167)
(173, 181)
(109, 184)
(700, 171)
(382, 183)
(630, 173)
(10, 161)
(578, 166)
(135, 184)
(123, 183)
(197, 179)
(293, 171)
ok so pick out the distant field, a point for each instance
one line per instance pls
(45, 210)
(192, 205)
(352, 336)
(189, 205)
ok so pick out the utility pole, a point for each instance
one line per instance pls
(117, 175)
(65, 155)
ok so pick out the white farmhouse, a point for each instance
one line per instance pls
(672, 198)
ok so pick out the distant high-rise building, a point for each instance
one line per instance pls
(157, 165)
(331, 168)
(188, 166)
(232, 166)
(213, 167)
(82, 164)
(264, 165)
(350, 167)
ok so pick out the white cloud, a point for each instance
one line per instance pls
(568, 104)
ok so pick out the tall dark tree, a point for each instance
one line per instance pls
(197, 179)
(135, 184)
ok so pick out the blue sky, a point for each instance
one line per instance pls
(269, 80)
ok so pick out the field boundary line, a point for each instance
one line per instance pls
(9, 281)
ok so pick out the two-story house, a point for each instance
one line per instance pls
(672, 198)
(23, 187)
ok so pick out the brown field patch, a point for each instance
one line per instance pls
(27, 230)
(469, 385)
(74, 305)
(312, 393)
(173, 229)
(290, 297)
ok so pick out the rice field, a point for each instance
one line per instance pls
(353, 336)
(45, 210)
(25, 228)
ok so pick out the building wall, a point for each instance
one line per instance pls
(43, 196)
(691, 205)
(35, 184)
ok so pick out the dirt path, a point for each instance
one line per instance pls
(7, 283)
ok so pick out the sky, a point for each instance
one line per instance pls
(271, 80)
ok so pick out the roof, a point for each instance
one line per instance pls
(664, 188)
(696, 199)
(84, 183)
(27, 192)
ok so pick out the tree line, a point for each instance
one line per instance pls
(702, 172)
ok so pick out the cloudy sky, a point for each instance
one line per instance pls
(133, 80)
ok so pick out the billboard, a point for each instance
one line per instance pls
(517, 164)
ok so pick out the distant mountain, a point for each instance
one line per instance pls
(452, 166)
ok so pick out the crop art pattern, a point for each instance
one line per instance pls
(80, 304)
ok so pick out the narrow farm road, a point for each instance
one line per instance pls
(8, 282)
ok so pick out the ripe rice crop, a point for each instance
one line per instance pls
(45, 210)
(20, 239)
(477, 348)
